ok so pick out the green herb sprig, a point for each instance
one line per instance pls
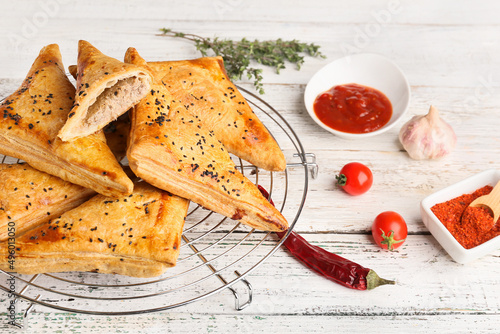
(238, 55)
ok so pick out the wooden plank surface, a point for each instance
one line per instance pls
(447, 49)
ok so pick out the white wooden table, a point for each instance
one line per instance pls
(449, 52)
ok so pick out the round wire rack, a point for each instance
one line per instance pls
(216, 252)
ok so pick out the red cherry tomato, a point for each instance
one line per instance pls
(355, 178)
(389, 230)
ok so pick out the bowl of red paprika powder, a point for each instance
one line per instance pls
(468, 236)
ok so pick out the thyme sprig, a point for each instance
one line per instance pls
(238, 55)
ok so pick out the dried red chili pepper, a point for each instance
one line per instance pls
(329, 265)
(332, 266)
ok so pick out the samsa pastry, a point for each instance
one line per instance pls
(205, 91)
(32, 118)
(106, 89)
(29, 198)
(116, 132)
(137, 235)
(172, 149)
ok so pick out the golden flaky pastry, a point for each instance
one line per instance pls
(137, 235)
(106, 89)
(29, 198)
(204, 89)
(207, 91)
(31, 119)
(172, 149)
(116, 132)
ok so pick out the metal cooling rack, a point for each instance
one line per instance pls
(216, 252)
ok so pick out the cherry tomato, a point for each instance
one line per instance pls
(389, 230)
(355, 178)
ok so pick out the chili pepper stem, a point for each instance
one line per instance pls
(373, 280)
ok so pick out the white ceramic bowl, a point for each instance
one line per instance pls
(441, 233)
(365, 69)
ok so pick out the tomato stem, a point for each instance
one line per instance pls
(341, 180)
(389, 239)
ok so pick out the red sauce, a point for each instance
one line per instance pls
(353, 108)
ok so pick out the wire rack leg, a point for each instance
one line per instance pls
(309, 161)
(238, 305)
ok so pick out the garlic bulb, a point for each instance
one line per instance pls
(427, 136)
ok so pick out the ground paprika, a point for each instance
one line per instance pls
(469, 225)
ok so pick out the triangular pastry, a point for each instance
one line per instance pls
(29, 198)
(116, 132)
(106, 89)
(137, 235)
(173, 150)
(32, 117)
(204, 89)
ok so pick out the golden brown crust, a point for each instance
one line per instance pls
(137, 235)
(34, 114)
(106, 89)
(116, 132)
(204, 87)
(171, 149)
(29, 198)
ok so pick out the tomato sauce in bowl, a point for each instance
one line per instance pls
(353, 108)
